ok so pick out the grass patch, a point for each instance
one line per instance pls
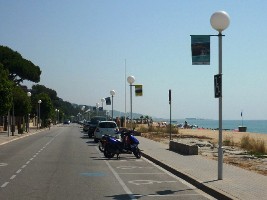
(255, 147)
(228, 141)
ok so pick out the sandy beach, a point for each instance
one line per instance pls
(214, 134)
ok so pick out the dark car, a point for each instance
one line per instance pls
(66, 122)
(86, 126)
(93, 124)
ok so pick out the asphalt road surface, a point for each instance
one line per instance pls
(63, 163)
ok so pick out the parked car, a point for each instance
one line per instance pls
(93, 123)
(66, 121)
(86, 126)
(106, 127)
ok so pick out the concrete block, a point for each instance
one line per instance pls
(184, 149)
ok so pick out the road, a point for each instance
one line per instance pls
(63, 163)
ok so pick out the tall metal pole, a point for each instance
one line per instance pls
(125, 96)
(220, 150)
(8, 123)
(112, 107)
(170, 114)
(131, 97)
(13, 121)
(39, 116)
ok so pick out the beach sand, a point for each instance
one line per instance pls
(214, 134)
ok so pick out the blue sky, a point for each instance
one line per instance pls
(81, 47)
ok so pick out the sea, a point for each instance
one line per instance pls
(254, 126)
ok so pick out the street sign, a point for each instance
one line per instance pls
(218, 85)
(170, 96)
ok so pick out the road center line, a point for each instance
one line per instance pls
(19, 171)
(5, 184)
(12, 177)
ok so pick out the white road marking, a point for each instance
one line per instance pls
(5, 184)
(148, 182)
(126, 189)
(3, 164)
(141, 173)
(12, 177)
(166, 195)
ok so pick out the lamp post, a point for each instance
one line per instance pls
(112, 93)
(57, 111)
(39, 113)
(103, 100)
(97, 105)
(131, 80)
(29, 94)
(220, 21)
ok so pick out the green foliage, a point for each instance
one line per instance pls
(38, 89)
(5, 91)
(46, 107)
(19, 68)
(22, 104)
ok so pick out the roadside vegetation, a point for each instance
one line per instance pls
(255, 147)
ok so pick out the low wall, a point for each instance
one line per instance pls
(184, 149)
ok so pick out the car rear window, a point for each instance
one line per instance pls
(95, 120)
(107, 125)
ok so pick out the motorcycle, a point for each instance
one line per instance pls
(127, 145)
(102, 143)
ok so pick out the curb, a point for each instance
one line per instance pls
(21, 137)
(207, 189)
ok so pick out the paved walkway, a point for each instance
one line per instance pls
(237, 183)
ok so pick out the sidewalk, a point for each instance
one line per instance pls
(4, 138)
(201, 172)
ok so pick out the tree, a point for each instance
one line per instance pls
(19, 68)
(46, 107)
(22, 105)
(38, 89)
(5, 91)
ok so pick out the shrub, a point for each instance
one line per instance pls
(228, 141)
(252, 145)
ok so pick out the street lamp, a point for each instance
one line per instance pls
(29, 94)
(220, 21)
(57, 111)
(103, 100)
(97, 105)
(131, 80)
(112, 93)
(39, 113)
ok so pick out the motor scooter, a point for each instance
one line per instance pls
(127, 145)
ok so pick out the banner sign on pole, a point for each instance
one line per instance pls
(200, 47)
(170, 96)
(108, 101)
(218, 85)
(138, 90)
